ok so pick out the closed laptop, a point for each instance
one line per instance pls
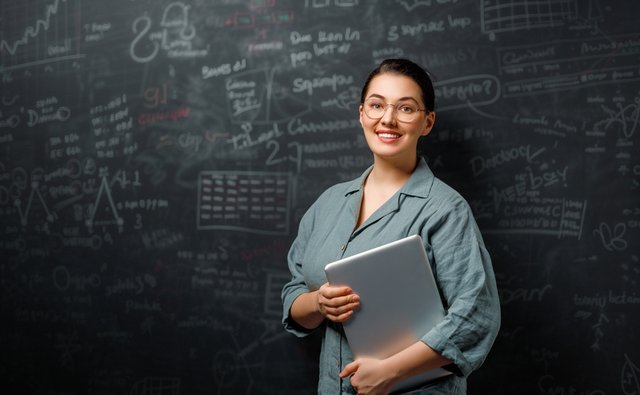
(399, 301)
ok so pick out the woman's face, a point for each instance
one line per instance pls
(387, 137)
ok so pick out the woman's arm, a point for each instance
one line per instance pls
(378, 376)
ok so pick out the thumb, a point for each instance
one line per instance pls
(350, 369)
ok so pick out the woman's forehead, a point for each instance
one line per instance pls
(394, 86)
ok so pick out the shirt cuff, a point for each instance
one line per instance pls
(289, 324)
(445, 347)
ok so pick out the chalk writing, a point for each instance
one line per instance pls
(525, 152)
(568, 64)
(547, 216)
(332, 82)
(548, 385)
(330, 3)
(255, 97)
(478, 90)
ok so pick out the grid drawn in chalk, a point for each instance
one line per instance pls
(156, 386)
(256, 202)
(510, 15)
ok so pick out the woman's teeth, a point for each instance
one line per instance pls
(388, 135)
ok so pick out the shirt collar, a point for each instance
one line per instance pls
(419, 184)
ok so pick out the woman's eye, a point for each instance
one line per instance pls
(407, 109)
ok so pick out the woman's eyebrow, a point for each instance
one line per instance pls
(400, 99)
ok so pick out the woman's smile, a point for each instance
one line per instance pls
(388, 136)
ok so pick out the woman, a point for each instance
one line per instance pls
(396, 197)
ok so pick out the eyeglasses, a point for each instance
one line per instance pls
(375, 108)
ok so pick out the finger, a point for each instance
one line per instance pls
(328, 308)
(340, 318)
(341, 310)
(350, 369)
(340, 301)
(332, 291)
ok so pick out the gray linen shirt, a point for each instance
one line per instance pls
(460, 262)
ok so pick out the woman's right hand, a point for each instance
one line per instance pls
(337, 303)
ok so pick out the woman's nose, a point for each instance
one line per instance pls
(389, 115)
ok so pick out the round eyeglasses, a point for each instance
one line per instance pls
(375, 108)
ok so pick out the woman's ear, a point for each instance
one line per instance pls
(429, 122)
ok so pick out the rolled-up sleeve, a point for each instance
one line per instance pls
(467, 282)
(297, 285)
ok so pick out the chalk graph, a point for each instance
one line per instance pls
(255, 202)
(35, 35)
(37, 196)
(99, 208)
(510, 15)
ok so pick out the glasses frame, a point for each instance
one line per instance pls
(386, 106)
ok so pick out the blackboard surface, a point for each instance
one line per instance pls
(156, 157)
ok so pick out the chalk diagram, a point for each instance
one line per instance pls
(26, 209)
(510, 15)
(255, 202)
(35, 205)
(98, 208)
(623, 117)
(49, 38)
(37, 196)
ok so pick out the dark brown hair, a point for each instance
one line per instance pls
(409, 69)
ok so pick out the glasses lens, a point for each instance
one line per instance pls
(374, 108)
(406, 112)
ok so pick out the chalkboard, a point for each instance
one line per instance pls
(156, 157)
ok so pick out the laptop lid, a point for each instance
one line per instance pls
(399, 300)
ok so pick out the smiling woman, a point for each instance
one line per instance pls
(397, 196)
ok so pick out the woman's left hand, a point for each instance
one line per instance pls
(368, 376)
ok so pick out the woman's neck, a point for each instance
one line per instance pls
(392, 173)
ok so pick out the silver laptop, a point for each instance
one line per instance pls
(399, 301)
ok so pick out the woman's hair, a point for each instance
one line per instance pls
(408, 69)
